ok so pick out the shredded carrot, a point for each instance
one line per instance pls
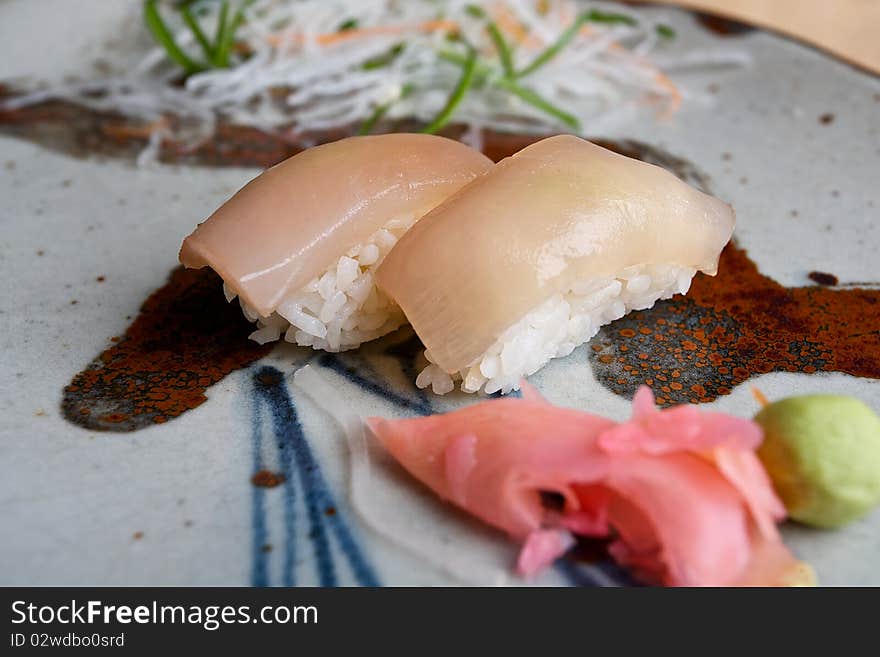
(759, 396)
(510, 25)
(675, 95)
(659, 76)
(335, 37)
(568, 14)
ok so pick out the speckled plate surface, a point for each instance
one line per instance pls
(793, 141)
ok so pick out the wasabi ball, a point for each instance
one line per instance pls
(823, 454)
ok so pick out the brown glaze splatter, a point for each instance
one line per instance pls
(823, 278)
(186, 338)
(826, 118)
(267, 479)
(722, 26)
(82, 132)
(734, 326)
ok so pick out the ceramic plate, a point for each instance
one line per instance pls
(792, 140)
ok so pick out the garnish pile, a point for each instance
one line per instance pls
(311, 65)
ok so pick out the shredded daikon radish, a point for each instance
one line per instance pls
(294, 68)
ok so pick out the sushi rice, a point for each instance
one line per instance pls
(557, 326)
(341, 308)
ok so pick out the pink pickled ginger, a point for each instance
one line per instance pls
(680, 491)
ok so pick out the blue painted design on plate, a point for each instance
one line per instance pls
(259, 533)
(576, 574)
(303, 477)
(374, 384)
(600, 573)
(364, 368)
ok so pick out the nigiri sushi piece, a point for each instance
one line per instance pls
(299, 244)
(681, 493)
(527, 262)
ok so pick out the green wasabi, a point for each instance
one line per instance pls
(823, 454)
